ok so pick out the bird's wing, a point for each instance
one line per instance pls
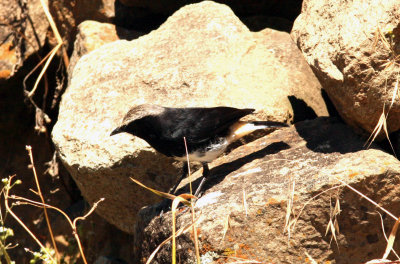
(198, 124)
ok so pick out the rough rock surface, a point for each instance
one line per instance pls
(23, 30)
(201, 56)
(307, 158)
(341, 42)
(92, 35)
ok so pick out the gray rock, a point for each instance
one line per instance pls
(340, 41)
(308, 157)
(201, 56)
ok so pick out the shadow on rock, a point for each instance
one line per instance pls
(301, 110)
(328, 135)
(217, 174)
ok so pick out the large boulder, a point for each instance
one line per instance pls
(351, 49)
(203, 55)
(294, 172)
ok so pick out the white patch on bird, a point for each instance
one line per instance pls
(211, 153)
(241, 129)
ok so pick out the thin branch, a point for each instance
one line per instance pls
(29, 149)
(6, 195)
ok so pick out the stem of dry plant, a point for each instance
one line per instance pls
(39, 192)
(22, 200)
(394, 61)
(195, 237)
(71, 223)
(188, 164)
(4, 253)
(183, 198)
(6, 196)
(42, 117)
(178, 233)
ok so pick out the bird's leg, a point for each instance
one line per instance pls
(206, 172)
(166, 203)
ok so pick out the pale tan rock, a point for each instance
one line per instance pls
(203, 55)
(340, 41)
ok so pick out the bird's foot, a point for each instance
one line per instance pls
(164, 206)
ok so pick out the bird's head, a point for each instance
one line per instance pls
(131, 121)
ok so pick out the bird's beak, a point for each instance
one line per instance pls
(116, 131)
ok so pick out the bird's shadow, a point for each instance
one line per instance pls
(218, 174)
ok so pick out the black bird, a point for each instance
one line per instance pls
(208, 131)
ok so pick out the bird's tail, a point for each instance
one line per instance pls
(241, 128)
(267, 124)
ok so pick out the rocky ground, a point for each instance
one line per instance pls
(328, 68)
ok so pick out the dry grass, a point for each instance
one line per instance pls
(24, 201)
(392, 64)
(41, 118)
(176, 200)
(333, 224)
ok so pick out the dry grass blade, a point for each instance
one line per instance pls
(179, 199)
(382, 124)
(41, 116)
(381, 36)
(46, 65)
(178, 233)
(159, 193)
(392, 237)
(55, 31)
(389, 246)
(53, 51)
(337, 211)
(226, 227)
(196, 241)
(195, 236)
(188, 165)
(395, 91)
(382, 261)
(292, 224)
(384, 234)
(378, 128)
(289, 207)
(333, 225)
(310, 259)
(368, 199)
